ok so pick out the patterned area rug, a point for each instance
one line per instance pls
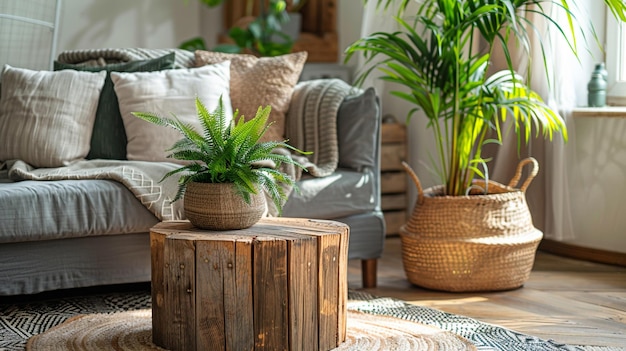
(132, 331)
(19, 320)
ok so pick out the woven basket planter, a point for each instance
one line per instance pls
(217, 206)
(471, 243)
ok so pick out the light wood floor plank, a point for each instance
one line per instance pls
(614, 300)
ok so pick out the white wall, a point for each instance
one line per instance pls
(350, 18)
(87, 24)
(597, 187)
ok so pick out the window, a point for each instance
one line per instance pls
(615, 48)
(28, 33)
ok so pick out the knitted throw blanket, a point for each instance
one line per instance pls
(140, 177)
(103, 57)
(311, 122)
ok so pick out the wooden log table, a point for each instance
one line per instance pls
(278, 285)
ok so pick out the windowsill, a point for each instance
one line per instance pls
(595, 112)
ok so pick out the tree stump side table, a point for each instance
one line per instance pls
(278, 285)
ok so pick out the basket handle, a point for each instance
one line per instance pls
(416, 180)
(518, 173)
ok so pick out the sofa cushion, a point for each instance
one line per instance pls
(108, 140)
(46, 118)
(340, 194)
(163, 93)
(357, 130)
(47, 210)
(260, 82)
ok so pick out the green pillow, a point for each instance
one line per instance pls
(108, 140)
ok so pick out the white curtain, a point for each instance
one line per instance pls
(548, 195)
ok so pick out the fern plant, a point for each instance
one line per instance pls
(228, 153)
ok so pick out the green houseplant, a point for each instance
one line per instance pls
(431, 57)
(230, 159)
(440, 58)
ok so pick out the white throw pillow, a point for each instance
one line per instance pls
(165, 93)
(46, 118)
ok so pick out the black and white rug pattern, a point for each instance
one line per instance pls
(484, 336)
(23, 319)
(20, 320)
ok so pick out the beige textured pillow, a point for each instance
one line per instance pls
(46, 118)
(261, 81)
(163, 93)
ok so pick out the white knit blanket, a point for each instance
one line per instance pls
(311, 122)
(103, 57)
(141, 178)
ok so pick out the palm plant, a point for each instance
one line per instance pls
(228, 153)
(433, 56)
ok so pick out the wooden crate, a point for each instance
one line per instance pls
(393, 133)
(390, 202)
(393, 182)
(318, 36)
(393, 221)
(279, 285)
(391, 157)
(394, 202)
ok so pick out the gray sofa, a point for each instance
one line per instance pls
(59, 234)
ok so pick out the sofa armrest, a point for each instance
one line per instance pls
(358, 131)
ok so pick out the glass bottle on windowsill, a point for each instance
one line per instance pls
(596, 87)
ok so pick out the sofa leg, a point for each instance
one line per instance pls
(368, 272)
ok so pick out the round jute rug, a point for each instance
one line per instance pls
(132, 331)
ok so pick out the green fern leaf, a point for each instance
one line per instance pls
(228, 152)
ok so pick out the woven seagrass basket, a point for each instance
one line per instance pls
(471, 243)
(217, 206)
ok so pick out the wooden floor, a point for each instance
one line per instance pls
(570, 301)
